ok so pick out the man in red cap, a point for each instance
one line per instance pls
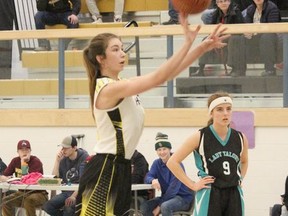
(23, 164)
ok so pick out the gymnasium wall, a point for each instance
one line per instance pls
(262, 186)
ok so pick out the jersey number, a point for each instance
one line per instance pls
(226, 167)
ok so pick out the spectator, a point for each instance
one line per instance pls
(234, 54)
(7, 10)
(66, 167)
(206, 16)
(139, 169)
(96, 16)
(56, 12)
(267, 45)
(175, 196)
(281, 209)
(3, 166)
(173, 15)
(22, 198)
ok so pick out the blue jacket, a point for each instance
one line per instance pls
(170, 185)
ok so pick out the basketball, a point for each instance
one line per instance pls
(191, 6)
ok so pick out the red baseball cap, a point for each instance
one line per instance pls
(23, 144)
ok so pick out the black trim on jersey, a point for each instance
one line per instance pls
(116, 120)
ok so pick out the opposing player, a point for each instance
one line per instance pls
(221, 156)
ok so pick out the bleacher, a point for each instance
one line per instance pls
(47, 62)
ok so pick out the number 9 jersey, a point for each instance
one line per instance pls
(220, 158)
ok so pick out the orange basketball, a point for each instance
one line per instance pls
(191, 6)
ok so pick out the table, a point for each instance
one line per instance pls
(7, 186)
(135, 188)
(72, 187)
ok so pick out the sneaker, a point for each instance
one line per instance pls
(39, 49)
(97, 19)
(268, 73)
(199, 72)
(171, 22)
(117, 18)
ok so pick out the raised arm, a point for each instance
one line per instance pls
(214, 40)
(171, 68)
(59, 157)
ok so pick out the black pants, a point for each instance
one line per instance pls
(267, 46)
(276, 210)
(233, 54)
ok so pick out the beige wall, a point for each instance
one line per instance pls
(262, 186)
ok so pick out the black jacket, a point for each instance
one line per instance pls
(233, 16)
(285, 195)
(59, 6)
(3, 166)
(140, 168)
(270, 13)
(281, 4)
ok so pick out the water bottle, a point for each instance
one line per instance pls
(24, 168)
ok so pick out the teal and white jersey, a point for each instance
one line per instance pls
(118, 129)
(220, 158)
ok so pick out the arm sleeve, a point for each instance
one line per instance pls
(76, 6)
(173, 188)
(152, 174)
(11, 167)
(35, 165)
(274, 15)
(139, 170)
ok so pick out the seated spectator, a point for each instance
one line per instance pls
(281, 209)
(66, 167)
(96, 16)
(21, 165)
(139, 169)
(175, 196)
(56, 12)
(206, 16)
(3, 166)
(268, 45)
(234, 54)
(173, 14)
